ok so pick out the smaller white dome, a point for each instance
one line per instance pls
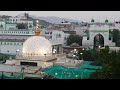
(37, 46)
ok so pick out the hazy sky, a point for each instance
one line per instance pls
(77, 15)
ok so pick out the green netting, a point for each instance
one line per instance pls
(4, 76)
(3, 54)
(87, 65)
(62, 72)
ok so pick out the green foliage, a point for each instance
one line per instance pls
(21, 26)
(74, 39)
(110, 63)
(116, 36)
(5, 57)
(118, 43)
(107, 49)
(106, 21)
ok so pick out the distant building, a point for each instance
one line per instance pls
(55, 36)
(9, 26)
(96, 32)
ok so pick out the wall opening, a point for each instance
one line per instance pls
(98, 41)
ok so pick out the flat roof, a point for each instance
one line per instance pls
(17, 68)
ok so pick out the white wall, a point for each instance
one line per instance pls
(93, 31)
(13, 26)
(16, 32)
(11, 48)
(104, 34)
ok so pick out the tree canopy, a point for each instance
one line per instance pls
(21, 26)
(110, 62)
(116, 36)
(74, 39)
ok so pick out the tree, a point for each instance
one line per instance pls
(110, 63)
(107, 49)
(74, 39)
(116, 35)
(118, 43)
(21, 26)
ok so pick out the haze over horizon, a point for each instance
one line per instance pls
(76, 15)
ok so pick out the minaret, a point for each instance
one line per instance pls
(37, 29)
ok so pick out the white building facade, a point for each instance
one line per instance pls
(95, 30)
(12, 41)
(55, 36)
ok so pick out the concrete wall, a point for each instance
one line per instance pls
(10, 26)
(10, 49)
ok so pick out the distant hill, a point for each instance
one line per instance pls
(54, 20)
(42, 22)
(50, 19)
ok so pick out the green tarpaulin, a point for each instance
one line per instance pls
(6, 76)
(62, 72)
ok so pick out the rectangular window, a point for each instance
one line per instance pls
(28, 63)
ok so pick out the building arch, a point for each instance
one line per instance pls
(98, 40)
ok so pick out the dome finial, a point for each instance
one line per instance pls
(37, 29)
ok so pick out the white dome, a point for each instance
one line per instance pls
(37, 46)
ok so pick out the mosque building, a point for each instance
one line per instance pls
(36, 51)
(98, 35)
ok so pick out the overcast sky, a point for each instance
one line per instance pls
(77, 15)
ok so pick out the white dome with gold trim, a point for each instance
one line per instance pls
(37, 46)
